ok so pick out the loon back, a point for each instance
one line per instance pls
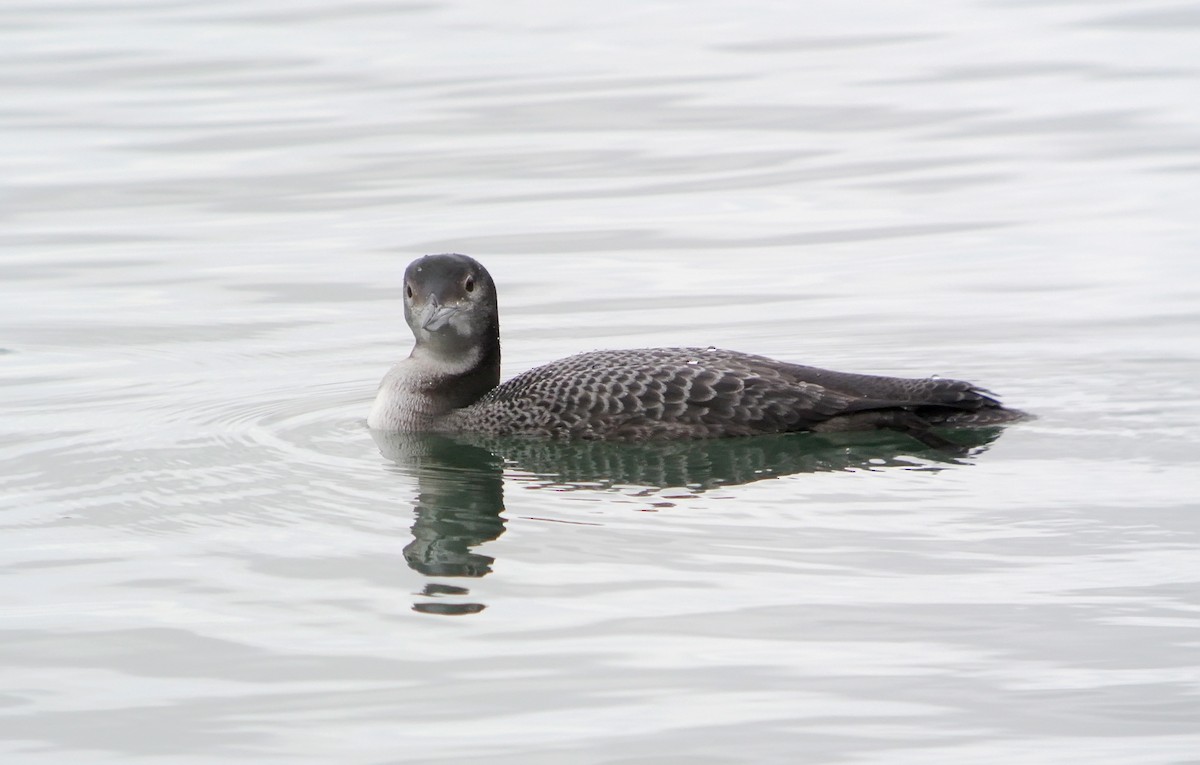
(449, 383)
(707, 393)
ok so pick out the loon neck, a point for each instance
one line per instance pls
(419, 393)
(452, 381)
(443, 374)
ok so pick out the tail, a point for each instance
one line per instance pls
(939, 416)
(915, 407)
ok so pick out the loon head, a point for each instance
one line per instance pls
(450, 305)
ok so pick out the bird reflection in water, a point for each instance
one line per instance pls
(460, 479)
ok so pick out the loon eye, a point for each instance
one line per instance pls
(408, 291)
(469, 284)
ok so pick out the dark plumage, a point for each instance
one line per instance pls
(448, 384)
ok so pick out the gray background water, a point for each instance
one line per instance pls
(206, 211)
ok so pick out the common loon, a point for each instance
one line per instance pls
(450, 383)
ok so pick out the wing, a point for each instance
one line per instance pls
(898, 391)
(682, 392)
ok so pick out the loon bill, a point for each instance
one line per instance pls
(450, 383)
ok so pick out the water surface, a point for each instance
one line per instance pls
(205, 213)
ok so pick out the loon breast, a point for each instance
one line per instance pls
(450, 383)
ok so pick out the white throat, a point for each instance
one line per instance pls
(409, 399)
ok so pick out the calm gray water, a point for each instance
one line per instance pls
(206, 211)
